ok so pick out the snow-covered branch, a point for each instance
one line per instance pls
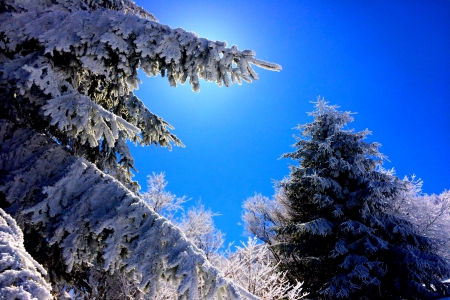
(430, 214)
(253, 267)
(69, 69)
(96, 222)
(21, 277)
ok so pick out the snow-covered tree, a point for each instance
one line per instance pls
(253, 267)
(163, 202)
(430, 214)
(88, 229)
(262, 215)
(67, 74)
(339, 233)
(198, 225)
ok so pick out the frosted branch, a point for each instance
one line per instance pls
(84, 205)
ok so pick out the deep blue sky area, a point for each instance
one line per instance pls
(389, 61)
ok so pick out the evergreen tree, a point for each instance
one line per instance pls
(340, 234)
(67, 74)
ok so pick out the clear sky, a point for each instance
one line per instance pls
(389, 61)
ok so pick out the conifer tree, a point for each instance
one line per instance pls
(340, 234)
(68, 69)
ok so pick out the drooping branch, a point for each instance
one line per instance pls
(69, 70)
(95, 221)
(96, 40)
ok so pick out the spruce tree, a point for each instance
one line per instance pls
(68, 69)
(340, 235)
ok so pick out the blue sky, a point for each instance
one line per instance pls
(386, 60)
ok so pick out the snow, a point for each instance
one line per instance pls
(21, 277)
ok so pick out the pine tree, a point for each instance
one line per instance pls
(67, 74)
(340, 235)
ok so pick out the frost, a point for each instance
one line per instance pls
(21, 277)
(320, 226)
(252, 266)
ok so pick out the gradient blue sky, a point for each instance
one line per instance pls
(389, 61)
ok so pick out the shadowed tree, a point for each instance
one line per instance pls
(333, 223)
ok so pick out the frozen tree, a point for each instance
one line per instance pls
(163, 202)
(70, 67)
(253, 267)
(67, 74)
(339, 233)
(429, 213)
(89, 230)
(198, 225)
(20, 275)
(262, 215)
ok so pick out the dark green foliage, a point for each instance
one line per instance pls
(340, 235)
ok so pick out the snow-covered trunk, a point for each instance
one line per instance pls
(90, 221)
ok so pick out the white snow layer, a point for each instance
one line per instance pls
(21, 277)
